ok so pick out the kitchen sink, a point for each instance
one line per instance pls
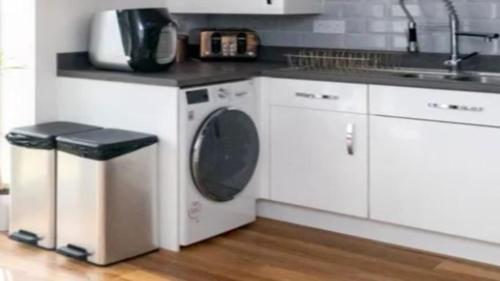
(443, 75)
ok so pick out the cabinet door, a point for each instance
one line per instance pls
(312, 164)
(262, 7)
(436, 176)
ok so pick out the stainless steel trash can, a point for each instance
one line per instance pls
(33, 186)
(107, 195)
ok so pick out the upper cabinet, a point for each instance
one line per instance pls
(250, 7)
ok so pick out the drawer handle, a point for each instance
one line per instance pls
(350, 139)
(316, 96)
(241, 94)
(456, 107)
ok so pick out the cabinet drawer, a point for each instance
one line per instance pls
(332, 96)
(439, 105)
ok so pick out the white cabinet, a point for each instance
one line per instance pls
(264, 7)
(318, 155)
(436, 175)
(311, 164)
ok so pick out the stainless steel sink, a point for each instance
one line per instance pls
(443, 75)
(492, 78)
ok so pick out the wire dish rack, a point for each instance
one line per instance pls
(343, 61)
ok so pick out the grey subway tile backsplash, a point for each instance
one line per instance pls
(372, 24)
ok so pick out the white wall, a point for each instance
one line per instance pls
(17, 21)
(18, 84)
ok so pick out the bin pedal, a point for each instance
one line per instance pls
(75, 252)
(26, 237)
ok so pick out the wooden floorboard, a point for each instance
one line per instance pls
(264, 251)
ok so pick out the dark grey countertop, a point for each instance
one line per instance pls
(195, 73)
(183, 75)
(381, 78)
(421, 60)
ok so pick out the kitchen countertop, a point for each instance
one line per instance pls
(196, 73)
(183, 75)
(427, 61)
(380, 78)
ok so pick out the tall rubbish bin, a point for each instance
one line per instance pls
(33, 186)
(107, 195)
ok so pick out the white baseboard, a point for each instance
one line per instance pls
(387, 233)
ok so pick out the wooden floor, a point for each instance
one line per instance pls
(267, 251)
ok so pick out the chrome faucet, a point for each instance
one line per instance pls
(455, 58)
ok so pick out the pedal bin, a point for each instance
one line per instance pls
(107, 195)
(33, 186)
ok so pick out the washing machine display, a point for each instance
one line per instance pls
(224, 154)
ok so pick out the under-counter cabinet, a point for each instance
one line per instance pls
(318, 145)
(435, 158)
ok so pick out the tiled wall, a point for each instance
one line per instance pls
(375, 24)
(189, 22)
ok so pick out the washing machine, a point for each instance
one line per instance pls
(219, 156)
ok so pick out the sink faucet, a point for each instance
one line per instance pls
(455, 58)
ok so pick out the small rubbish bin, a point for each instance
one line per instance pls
(33, 190)
(107, 193)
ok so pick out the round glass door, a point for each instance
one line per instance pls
(224, 154)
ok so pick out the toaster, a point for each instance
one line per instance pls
(143, 40)
(229, 44)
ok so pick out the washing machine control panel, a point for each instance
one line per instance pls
(223, 93)
(197, 96)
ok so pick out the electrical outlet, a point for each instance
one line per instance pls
(329, 26)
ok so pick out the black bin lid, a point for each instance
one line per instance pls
(104, 144)
(42, 136)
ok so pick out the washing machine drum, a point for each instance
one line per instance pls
(224, 154)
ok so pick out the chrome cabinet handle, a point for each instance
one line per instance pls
(241, 94)
(445, 106)
(350, 139)
(316, 96)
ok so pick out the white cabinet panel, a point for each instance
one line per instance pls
(270, 7)
(345, 97)
(311, 164)
(436, 176)
(431, 104)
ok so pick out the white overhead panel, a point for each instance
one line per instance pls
(253, 7)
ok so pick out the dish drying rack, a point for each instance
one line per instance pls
(343, 61)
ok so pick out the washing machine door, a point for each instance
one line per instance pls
(224, 154)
